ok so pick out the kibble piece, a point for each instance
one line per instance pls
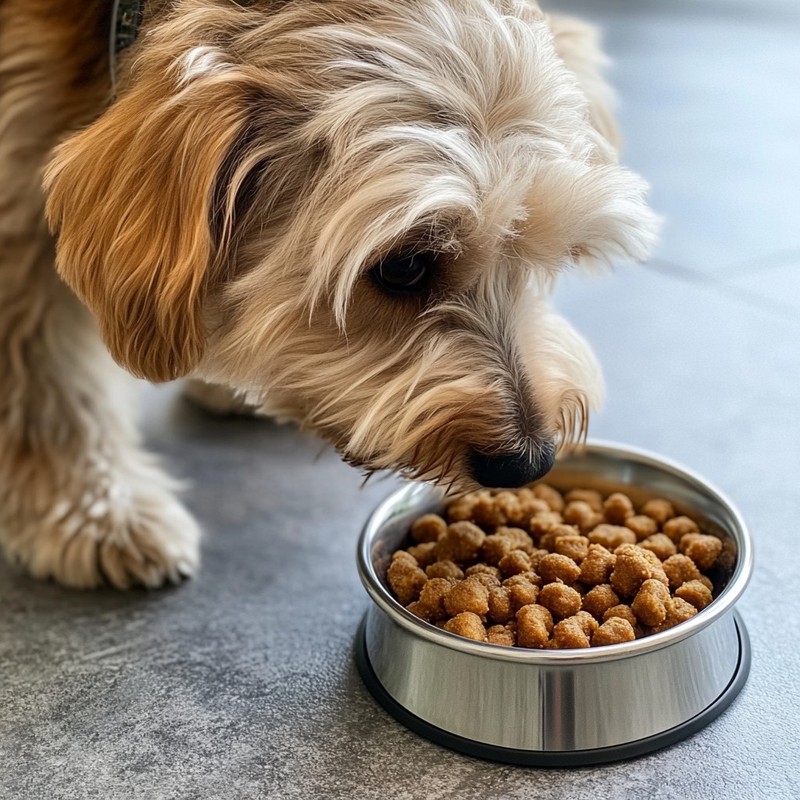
(514, 562)
(623, 612)
(522, 594)
(519, 538)
(461, 542)
(658, 509)
(530, 504)
(568, 635)
(467, 595)
(494, 547)
(487, 579)
(500, 608)
(574, 546)
(509, 505)
(461, 508)
(701, 548)
(484, 569)
(534, 625)
(650, 603)
(467, 624)
(405, 577)
(611, 536)
(523, 577)
(660, 544)
(678, 610)
(597, 566)
(550, 496)
(642, 525)
(561, 600)
(487, 514)
(656, 567)
(591, 497)
(695, 593)
(444, 569)
(500, 634)
(547, 539)
(631, 570)
(555, 567)
(419, 610)
(680, 569)
(615, 630)
(599, 599)
(541, 523)
(431, 599)
(617, 508)
(581, 514)
(586, 621)
(428, 528)
(679, 526)
(424, 553)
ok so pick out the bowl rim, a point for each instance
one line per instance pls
(721, 605)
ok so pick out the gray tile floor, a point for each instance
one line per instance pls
(241, 684)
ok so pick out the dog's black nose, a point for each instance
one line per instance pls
(509, 470)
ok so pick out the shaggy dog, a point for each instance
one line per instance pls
(351, 212)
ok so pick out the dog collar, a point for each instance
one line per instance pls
(126, 19)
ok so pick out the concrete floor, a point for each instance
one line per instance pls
(241, 684)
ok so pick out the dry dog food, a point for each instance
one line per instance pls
(538, 568)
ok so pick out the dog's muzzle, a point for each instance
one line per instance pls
(510, 470)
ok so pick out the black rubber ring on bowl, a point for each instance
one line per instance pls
(555, 758)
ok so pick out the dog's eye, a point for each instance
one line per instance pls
(404, 273)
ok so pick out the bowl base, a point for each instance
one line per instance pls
(556, 758)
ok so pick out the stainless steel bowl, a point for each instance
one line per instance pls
(560, 707)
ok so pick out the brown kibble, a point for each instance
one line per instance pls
(592, 498)
(444, 569)
(520, 539)
(522, 594)
(483, 569)
(486, 513)
(530, 504)
(680, 569)
(573, 546)
(541, 523)
(678, 610)
(428, 528)
(502, 635)
(660, 544)
(494, 547)
(623, 612)
(405, 577)
(656, 567)
(615, 630)
(695, 593)
(701, 548)
(523, 577)
(487, 579)
(617, 508)
(568, 635)
(555, 567)
(581, 514)
(460, 510)
(509, 506)
(425, 554)
(500, 607)
(514, 562)
(461, 542)
(561, 600)
(611, 536)
(631, 570)
(642, 525)
(534, 625)
(658, 509)
(650, 603)
(550, 496)
(599, 599)
(597, 566)
(467, 595)
(679, 526)
(467, 624)
(431, 599)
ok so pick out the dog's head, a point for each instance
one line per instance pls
(355, 211)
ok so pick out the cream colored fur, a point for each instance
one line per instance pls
(220, 218)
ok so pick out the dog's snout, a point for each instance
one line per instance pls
(510, 470)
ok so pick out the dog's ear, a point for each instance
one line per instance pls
(578, 45)
(132, 200)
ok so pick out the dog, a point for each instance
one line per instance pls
(348, 214)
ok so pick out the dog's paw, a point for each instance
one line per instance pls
(130, 535)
